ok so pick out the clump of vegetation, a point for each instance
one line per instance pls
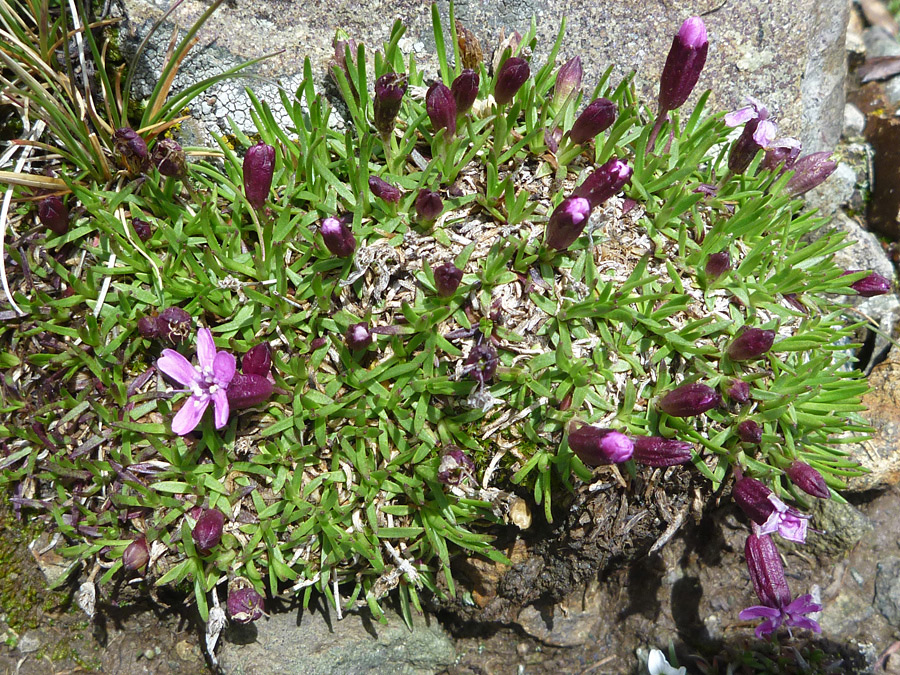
(384, 334)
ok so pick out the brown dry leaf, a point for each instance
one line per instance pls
(877, 14)
(879, 68)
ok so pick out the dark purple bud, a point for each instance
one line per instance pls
(142, 229)
(455, 466)
(428, 206)
(750, 432)
(136, 555)
(54, 215)
(131, 151)
(753, 498)
(568, 81)
(689, 400)
(766, 571)
(168, 158)
(658, 451)
(384, 190)
(595, 446)
(174, 324)
(510, 78)
(605, 182)
(446, 279)
(808, 479)
(751, 344)
(259, 168)
(755, 136)
(481, 363)
(207, 533)
(316, 343)
(148, 327)
(441, 108)
(567, 222)
(739, 391)
(245, 605)
(717, 264)
(338, 237)
(552, 137)
(685, 61)
(247, 390)
(598, 116)
(470, 51)
(257, 360)
(341, 43)
(781, 154)
(389, 91)
(465, 90)
(809, 172)
(358, 337)
(870, 286)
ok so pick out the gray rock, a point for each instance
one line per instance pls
(838, 528)
(313, 644)
(30, 642)
(892, 90)
(887, 590)
(880, 42)
(836, 191)
(854, 121)
(753, 52)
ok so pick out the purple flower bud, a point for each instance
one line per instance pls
(752, 496)
(750, 432)
(766, 571)
(259, 168)
(358, 337)
(441, 108)
(567, 222)
(131, 151)
(428, 206)
(753, 138)
(389, 91)
(341, 42)
(54, 215)
(136, 555)
(605, 182)
(174, 324)
(207, 533)
(338, 237)
(142, 229)
(245, 605)
(751, 344)
(510, 78)
(247, 390)
(568, 81)
(465, 90)
(384, 190)
(257, 360)
(685, 61)
(470, 51)
(148, 327)
(739, 391)
(446, 279)
(808, 479)
(781, 154)
(595, 446)
(870, 286)
(168, 158)
(658, 451)
(481, 363)
(809, 172)
(316, 343)
(598, 116)
(455, 466)
(552, 137)
(717, 264)
(689, 400)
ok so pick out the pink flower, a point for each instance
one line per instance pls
(788, 522)
(206, 382)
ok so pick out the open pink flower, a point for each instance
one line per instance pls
(206, 382)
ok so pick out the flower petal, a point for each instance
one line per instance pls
(223, 367)
(765, 133)
(741, 116)
(758, 612)
(189, 416)
(206, 348)
(804, 622)
(220, 401)
(175, 366)
(768, 626)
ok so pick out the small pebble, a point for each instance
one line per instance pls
(854, 121)
(29, 642)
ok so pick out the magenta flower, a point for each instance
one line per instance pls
(207, 382)
(758, 134)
